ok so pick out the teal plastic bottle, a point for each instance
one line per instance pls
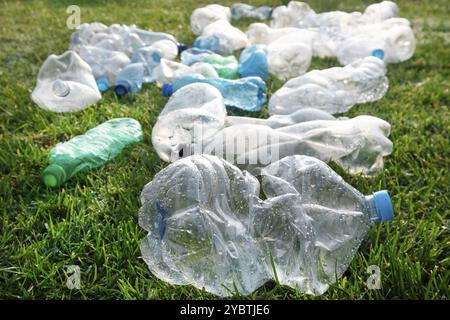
(90, 150)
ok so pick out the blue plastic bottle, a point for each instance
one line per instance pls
(253, 62)
(246, 93)
(214, 43)
(131, 78)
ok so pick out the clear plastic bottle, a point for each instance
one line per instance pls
(333, 90)
(105, 64)
(209, 227)
(194, 121)
(246, 93)
(65, 83)
(358, 144)
(151, 55)
(393, 36)
(90, 150)
(242, 10)
(193, 115)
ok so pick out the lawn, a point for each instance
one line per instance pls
(92, 220)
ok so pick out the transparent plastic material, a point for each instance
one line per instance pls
(222, 38)
(246, 93)
(358, 144)
(253, 62)
(333, 90)
(209, 227)
(348, 36)
(90, 150)
(105, 64)
(289, 50)
(322, 45)
(197, 104)
(242, 10)
(151, 55)
(300, 15)
(131, 78)
(124, 38)
(194, 121)
(169, 71)
(394, 36)
(201, 17)
(65, 83)
(134, 75)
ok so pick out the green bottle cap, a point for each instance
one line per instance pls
(54, 175)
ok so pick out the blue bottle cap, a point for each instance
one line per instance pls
(383, 206)
(378, 53)
(167, 89)
(156, 57)
(122, 88)
(102, 84)
(181, 48)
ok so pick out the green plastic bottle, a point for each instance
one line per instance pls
(226, 67)
(90, 150)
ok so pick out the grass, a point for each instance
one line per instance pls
(92, 220)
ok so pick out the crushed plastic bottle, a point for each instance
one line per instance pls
(201, 17)
(131, 78)
(289, 58)
(90, 150)
(300, 15)
(394, 37)
(193, 55)
(283, 120)
(169, 71)
(123, 38)
(305, 233)
(333, 90)
(197, 104)
(348, 36)
(194, 121)
(105, 64)
(242, 10)
(222, 38)
(358, 144)
(322, 45)
(289, 50)
(65, 83)
(151, 55)
(253, 62)
(246, 93)
(226, 67)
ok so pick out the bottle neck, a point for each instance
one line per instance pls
(371, 209)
